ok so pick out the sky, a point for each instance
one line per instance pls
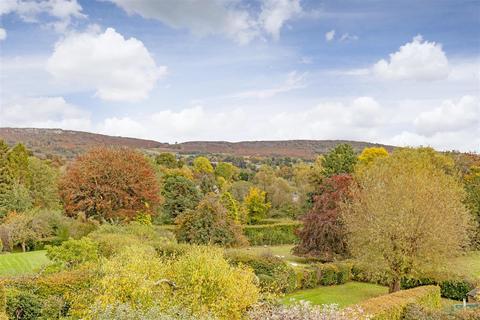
(405, 72)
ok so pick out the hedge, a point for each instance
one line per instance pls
(393, 306)
(327, 274)
(272, 233)
(453, 288)
(274, 274)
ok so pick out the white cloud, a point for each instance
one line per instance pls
(348, 37)
(43, 112)
(330, 35)
(450, 116)
(3, 34)
(63, 11)
(118, 69)
(293, 81)
(276, 12)
(216, 17)
(416, 60)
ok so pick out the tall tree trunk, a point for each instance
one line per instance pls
(394, 285)
(24, 247)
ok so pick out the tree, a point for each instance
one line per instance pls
(339, 160)
(406, 216)
(109, 183)
(256, 205)
(369, 155)
(167, 160)
(72, 253)
(209, 224)
(20, 229)
(180, 195)
(202, 165)
(18, 163)
(472, 201)
(232, 206)
(323, 234)
(43, 184)
(226, 170)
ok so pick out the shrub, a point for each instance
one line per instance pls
(209, 224)
(454, 288)
(3, 299)
(272, 234)
(309, 278)
(304, 311)
(23, 305)
(180, 194)
(72, 253)
(200, 281)
(418, 312)
(275, 275)
(393, 306)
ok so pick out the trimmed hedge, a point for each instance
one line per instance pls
(455, 289)
(274, 274)
(327, 274)
(272, 233)
(393, 306)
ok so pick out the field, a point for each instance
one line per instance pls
(15, 264)
(343, 295)
(282, 251)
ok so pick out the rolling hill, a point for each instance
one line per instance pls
(68, 144)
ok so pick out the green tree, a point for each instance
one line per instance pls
(256, 205)
(226, 170)
(339, 160)
(167, 160)
(180, 194)
(18, 163)
(209, 224)
(232, 206)
(202, 165)
(72, 253)
(43, 184)
(406, 216)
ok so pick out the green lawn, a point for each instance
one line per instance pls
(343, 295)
(468, 265)
(283, 251)
(13, 264)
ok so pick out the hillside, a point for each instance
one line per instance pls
(67, 143)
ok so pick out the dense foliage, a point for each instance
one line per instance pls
(110, 184)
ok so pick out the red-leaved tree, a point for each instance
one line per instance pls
(323, 234)
(107, 183)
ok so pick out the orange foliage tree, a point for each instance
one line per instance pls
(107, 183)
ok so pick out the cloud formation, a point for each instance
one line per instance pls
(227, 18)
(417, 60)
(62, 11)
(118, 69)
(330, 35)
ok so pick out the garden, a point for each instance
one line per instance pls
(118, 234)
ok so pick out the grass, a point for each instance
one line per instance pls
(14, 264)
(283, 251)
(468, 264)
(343, 295)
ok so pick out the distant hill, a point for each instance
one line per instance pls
(68, 144)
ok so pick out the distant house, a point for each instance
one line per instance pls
(472, 296)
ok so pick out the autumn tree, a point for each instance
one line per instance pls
(202, 165)
(369, 155)
(232, 206)
(180, 194)
(256, 205)
(226, 170)
(43, 181)
(406, 216)
(323, 234)
(109, 183)
(339, 160)
(209, 224)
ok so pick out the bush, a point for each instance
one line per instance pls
(23, 305)
(209, 224)
(275, 275)
(453, 288)
(73, 252)
(200, 281)
(417, 312)
(272, 234)
(304, 311)
(393, 306)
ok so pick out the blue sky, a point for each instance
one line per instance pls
(398, 72)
